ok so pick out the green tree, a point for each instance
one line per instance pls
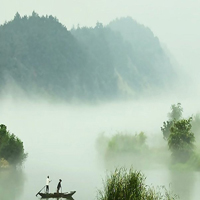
(11, 147)
(166, 129)
(181, 140)
(174, 115)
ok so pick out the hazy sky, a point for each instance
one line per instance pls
(174, 22)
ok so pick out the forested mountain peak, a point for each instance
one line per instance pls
(121, 59)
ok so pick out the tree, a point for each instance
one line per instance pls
(99, 25)
(196, 125)
(17, 16)
(11, 147)
(166, 129)
(181, 140)
(175, 114)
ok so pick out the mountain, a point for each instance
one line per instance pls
(122, 59)
(146, 55)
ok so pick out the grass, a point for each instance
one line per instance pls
(125, 184)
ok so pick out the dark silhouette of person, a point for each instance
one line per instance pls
(47, 184)
(59, 185)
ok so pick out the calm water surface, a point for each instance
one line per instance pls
(60, 141)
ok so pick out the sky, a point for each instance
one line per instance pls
(174, 22)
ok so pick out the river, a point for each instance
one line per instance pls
(60, 142)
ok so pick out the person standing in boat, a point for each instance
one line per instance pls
(59, 185)
(47, 184)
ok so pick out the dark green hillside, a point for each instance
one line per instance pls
(42, 57)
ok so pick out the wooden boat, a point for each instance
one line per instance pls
(57, 195)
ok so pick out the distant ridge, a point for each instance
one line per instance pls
(121, 60)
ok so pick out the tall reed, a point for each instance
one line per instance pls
(125, 184)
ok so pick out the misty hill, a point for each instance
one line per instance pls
(42, 57)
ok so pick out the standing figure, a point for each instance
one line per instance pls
(47, 184)
(59, 185)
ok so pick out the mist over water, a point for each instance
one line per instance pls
(60, 138)
(60, 141)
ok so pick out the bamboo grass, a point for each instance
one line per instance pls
(130, 185)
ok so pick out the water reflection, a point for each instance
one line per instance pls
(183, 184)
(11, 184)
(70, 129)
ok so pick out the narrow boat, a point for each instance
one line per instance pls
(57, 195)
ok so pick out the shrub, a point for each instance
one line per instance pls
(130, 185)
(181, 140)
(122, 143)
(124, 148)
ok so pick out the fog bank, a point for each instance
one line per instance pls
(60, 138)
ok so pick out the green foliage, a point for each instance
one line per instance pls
(181, 135)
(181, 140)
(123, 148)
(130, 185)
(174, 115)
(130, 149)
(11, 147)
(166, 129)
(127, 143)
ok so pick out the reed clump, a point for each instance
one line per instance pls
(125, 184)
